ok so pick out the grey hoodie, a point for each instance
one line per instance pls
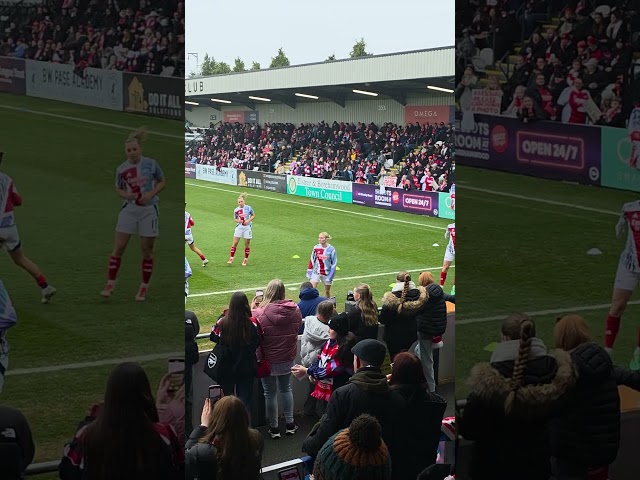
(314, 336)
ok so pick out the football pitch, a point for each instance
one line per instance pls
(523, 242)
(62, 158)
(372, 245)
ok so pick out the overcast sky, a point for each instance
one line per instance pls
(312, 31)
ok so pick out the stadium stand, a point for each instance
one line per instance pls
(559, 54)
(128, 35)
(420, 156)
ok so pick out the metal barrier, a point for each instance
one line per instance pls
(42, 468)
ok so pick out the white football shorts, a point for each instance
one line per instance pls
(188, 239)
(10, 237)
(317, 278)
(449, 254)
(139, 219)
(625, 279)
(243, 232)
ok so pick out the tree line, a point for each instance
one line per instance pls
(210, 66)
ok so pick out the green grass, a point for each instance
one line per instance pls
(65, 171)
(526, 255)
(368, 242)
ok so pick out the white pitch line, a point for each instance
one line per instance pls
(97, 363)
(377, 217)
(226, 292)
(538, 313)
(542, 200)
(84, 120)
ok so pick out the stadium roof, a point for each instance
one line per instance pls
(392, 75)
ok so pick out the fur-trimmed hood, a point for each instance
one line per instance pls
(414, 302)
(490, 386)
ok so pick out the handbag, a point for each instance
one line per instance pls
(264, 367)
(216, 357)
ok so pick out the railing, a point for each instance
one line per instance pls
(42, 468)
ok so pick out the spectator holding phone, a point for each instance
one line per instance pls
(223, 446)
(170, 402)
(363, 320)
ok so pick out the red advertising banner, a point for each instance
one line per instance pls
(428, 114)
(234, 116)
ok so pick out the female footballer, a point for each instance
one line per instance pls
(243, 215)
(188, 236)
(139, 180)
(323, 263)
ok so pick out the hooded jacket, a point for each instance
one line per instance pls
(367, 392)
(315, 335)
(400, 319)
(433, 320)
(587, 430)
(309, 300)
(280, 322)
(515, 444)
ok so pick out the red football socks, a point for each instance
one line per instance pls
(246, 252)
(147, 269)
(611, 332)
(443, 278)
(233, 252)
(114, 266)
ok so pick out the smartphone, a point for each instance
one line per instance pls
(289, 474)
(259, 293)
(333, 300)
(215, 393)
(176, 373)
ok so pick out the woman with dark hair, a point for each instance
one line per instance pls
(240, 334)
(585, 434)
(223, 447)
(421, 419)
(125, 440)
(334, 365)
(511, 401)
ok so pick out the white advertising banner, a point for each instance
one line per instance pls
(54, 81)
(228, 176)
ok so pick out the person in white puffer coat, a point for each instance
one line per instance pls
(316, 333)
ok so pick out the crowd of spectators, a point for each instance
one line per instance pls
(579, 68)
(344, 364)
(141, 36)
(359, 152)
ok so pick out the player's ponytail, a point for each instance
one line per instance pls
(326, 235)
(407, 280)
(138, 135)
(243, 196)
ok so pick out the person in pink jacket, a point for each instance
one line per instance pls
(280, 319)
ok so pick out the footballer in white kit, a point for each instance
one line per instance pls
(188, 237)
(627, 276)
(449, 254)
(10, 238)
(323, 263)
(243, 215)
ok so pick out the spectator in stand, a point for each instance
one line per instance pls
(171, 407)
(543, 100)
(333, 366)
(191, 357)
(574, 100)
(536, 48)
(309, 300)
(530, 111)
(612, 116)
(398, 314)
(280, 320)
(223, 446)
(516, 104)
(240, 334)
(585, 434)
(423, 414)
(617, 29)
(593, 79)
(363, 318)
(16, 443)
(123, 437)
(355, 452)
(316, 333)
(516, 392)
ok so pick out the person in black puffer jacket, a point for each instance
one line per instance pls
(511, 402)
(431, 325)
(585, 434)
(399, 311)
(191, 356)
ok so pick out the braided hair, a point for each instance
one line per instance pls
(403, 297)
(526, 334)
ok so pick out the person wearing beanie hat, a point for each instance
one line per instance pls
(333, 366)
(355, 453)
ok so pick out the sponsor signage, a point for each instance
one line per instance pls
(275, 183)
(153, 95)
(428, 114)
(12, 75)
(211, 173)
(414, 201)
(250, 179)
(241, 116)
(189, 170)
(446, 206)
(54, 81)
(619, 167)
(544, 149)
(318, 188)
